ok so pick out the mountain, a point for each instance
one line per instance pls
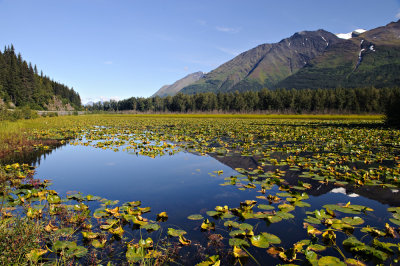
(265, 64)
(22, 85)
(311, 59)
(370, 59)
(178, 85)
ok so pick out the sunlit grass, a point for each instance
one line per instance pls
(15, 136)
(258, 116)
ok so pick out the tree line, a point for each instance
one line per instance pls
(22, 85)
(340, 100)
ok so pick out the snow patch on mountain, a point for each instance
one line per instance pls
(350, 35)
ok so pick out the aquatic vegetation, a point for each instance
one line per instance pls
(290, 159)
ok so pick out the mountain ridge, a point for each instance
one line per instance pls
(319, 58)
(171, 90)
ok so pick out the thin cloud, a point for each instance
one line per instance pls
(227, 29)
(201, 22)
(205, 63)
(229, 51)
(108, 62)
(398, 14)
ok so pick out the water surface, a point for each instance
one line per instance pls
(182, 185)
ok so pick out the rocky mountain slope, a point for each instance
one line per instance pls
(369, 59)
(312, 59)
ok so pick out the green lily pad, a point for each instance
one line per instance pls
(395, 221)
(246, 226)
(92, 198)
(274, 219)
(175, 233)
(99, 244)
(35, 254)
(150, 227)
(259, 241)
(238, 242)
(53, 199)
(265, 207)
(353, 220)
(316, 247)
(330, 261)
(90, 235)
(273, 239)
(312, 257)
(312, 220)
(231, 224)
(284, 215)
(213, 213)
(117, 231)
(135, 254)
(238, 232)
(195, 217)
(385, 246)
(211, 261)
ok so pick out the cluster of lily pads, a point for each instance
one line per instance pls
(341, 153)
(73, 233)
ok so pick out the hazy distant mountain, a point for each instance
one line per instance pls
(312, 59)
(178, 85)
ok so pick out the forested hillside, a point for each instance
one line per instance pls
(338, 100)
(22, 85)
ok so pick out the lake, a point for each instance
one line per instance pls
(185, 183)
(184, 190)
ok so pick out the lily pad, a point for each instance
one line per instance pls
(259, 241)
(195, 217)
(151, 227)
(175, 233)
(330, 261)
(238, 242)
(273, 239)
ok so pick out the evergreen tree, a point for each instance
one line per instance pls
(21, 84)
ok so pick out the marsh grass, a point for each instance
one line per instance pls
(18, 136)
(377, 118)
(18, 236)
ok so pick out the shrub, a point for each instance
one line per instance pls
(393, 112)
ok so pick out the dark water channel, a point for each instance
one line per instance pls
(181, 185)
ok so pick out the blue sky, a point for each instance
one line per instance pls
(118, 49)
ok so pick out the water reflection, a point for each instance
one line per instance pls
(33, 158)
(387, 196)
(182, 185)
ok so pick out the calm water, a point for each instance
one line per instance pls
(181, 185)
